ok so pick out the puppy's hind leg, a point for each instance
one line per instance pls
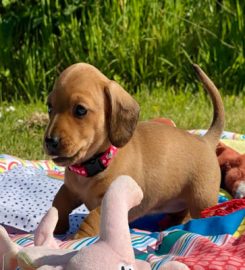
(203, 194)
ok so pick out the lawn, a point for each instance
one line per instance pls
(137, 43)
(22, 125)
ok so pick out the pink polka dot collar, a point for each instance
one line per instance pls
(96, 164)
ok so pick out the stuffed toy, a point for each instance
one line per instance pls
(113, 251)
(232, 165)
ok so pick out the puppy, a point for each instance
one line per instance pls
(94, 132)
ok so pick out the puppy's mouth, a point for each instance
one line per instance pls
(71, 158)
(61, 160)
(66, 160)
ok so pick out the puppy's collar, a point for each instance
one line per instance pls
(96, 164)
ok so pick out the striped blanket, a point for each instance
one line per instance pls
(209, 243)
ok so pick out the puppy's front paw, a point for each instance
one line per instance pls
(81, 234)
(85, 230)
(90, 226)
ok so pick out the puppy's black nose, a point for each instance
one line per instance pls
(52, 143)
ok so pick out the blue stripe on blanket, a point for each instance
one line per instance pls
(214, 225)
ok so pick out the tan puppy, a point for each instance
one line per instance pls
(89, 113)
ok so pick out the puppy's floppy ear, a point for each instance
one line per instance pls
(122, 114)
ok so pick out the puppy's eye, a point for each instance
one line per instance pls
(80, 111)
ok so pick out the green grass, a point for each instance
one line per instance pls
(189, 111)
(21, 135)
(138, 42)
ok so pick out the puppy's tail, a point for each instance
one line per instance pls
(214, 132)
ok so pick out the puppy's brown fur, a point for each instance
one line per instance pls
(176, 170)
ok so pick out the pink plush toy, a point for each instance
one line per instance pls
(113, 251)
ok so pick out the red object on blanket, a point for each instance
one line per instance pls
(223, 209)
(205, 255)
(232, 166)
(165, 121)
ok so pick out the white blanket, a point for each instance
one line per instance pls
(26, 195)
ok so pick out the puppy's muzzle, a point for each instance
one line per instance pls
(52, 145)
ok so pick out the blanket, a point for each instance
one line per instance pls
(216, 242)
(29, 188)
